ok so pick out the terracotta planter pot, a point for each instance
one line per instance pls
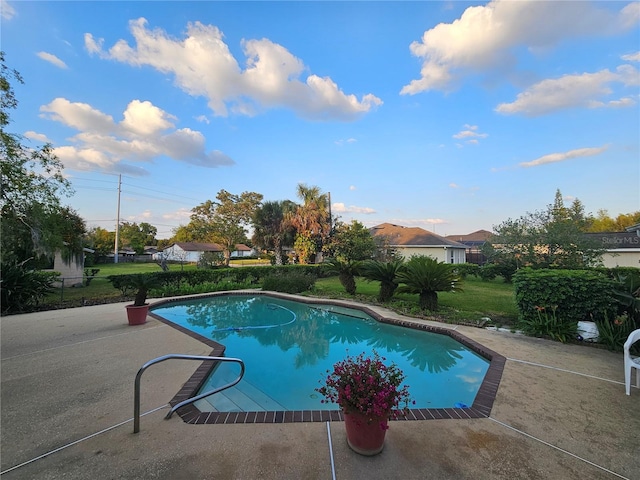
(137, 315)
(365, 438)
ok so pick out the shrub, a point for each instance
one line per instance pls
(290, 283)
(426, 276)
(575, 294)
(614, 333)
(205, 287)
(465, 269)
(138, 283)
(347, 271)
(547, 323)
(21, 289)
(627, 293)
(210, 260)
(488, 271)
(385, 273)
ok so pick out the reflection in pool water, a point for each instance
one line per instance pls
(288, 346)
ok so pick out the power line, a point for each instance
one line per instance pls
(90, 187)
(165, 193)
(91, 179)
(155, 198)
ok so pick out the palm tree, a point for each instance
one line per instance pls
(271, 231)
(311, 221)
(426, 277)
(385, 273)
(347, 271)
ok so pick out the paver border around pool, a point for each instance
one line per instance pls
(481, 407)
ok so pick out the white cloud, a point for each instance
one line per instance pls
(470, 132)
(145, 119)
(570, 91)
(343, 141)
(454, 185)
(632, 57)
(80, 116)
(561, 157)
(8, 12)
(202, 119)
(629, 16)
(352, 187)
(52, 59)
(145, 133)
(180, 214)
(203, 66)
(484, 37)
(342, 208)
(623, 102)
(38, 137)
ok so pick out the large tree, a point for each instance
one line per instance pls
(550, 238)
(101, 241)
(34, 224)
(604, 223)
(271, 231)
(351, 241)
(312, 222)
(224, 221)
(138, 236)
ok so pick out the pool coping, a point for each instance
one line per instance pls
(481, 407)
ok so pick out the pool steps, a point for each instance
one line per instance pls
(244, 397)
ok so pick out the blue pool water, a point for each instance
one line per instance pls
(288, 346)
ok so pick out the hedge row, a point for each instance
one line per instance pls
(573, 295)
(250, 275)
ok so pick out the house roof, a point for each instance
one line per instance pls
(634, 228)
(477, 236)
(412, 236)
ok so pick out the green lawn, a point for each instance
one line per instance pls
(494, 299)
(100, 290)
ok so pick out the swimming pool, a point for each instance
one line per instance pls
(287, 347)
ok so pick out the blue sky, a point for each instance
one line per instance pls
(450, 116)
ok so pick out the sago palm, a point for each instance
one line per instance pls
(426, 276)
(385, 273)
(347, 271)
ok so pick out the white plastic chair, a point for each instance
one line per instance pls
(631, 362)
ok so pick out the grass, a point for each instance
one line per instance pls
(479, 298)
(100, 290)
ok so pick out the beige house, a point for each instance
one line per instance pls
(413, 241)
(622, 248)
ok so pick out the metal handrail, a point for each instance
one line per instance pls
(136, 392)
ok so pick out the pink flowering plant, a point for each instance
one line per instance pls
(367, 386)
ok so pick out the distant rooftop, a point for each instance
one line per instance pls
(411, 236)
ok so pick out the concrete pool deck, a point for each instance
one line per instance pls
(67, 404)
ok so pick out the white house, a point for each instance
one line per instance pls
(413, 241)
(190, 252)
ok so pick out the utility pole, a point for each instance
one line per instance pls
(115, 257)
(329, 200)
